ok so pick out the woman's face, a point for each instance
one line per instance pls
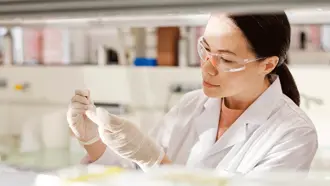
(222, 36)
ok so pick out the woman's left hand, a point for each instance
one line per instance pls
(125, 139)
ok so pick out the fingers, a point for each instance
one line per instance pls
(80, 99)
(81, 96)
(84, 93)
(80, 103)
(78, 106)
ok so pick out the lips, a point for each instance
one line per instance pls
(209, 84)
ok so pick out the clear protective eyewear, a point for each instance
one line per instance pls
(225, 62)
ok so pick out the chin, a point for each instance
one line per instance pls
(211, 92)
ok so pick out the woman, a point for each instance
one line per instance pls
(245, 120)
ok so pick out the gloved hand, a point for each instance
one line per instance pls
(83, 128)
(125, 139)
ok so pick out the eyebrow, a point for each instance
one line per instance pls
(219, 51)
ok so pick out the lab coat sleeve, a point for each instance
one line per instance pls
(295, 151)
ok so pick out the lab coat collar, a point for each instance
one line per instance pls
(249, 121)
(260, 110)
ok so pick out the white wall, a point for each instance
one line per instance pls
(309, 58)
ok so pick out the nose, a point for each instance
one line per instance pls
(208, 67)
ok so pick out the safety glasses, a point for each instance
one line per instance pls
(224, 62)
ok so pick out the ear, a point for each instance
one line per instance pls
(268, 65)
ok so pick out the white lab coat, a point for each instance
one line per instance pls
(272, 134)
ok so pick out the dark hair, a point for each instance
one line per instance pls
(269, 35)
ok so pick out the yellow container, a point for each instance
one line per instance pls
(19, 87)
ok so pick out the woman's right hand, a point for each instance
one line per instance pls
(83, 128)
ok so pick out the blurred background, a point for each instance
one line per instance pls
(137, 58)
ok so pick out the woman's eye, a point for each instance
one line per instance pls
(225, 60)
(207, 49)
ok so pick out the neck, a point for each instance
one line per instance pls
(244, 100)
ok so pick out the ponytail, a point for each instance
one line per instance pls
(289, 87)
(262, 29)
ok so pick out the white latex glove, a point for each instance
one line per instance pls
(125, 139)
(84, 129)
